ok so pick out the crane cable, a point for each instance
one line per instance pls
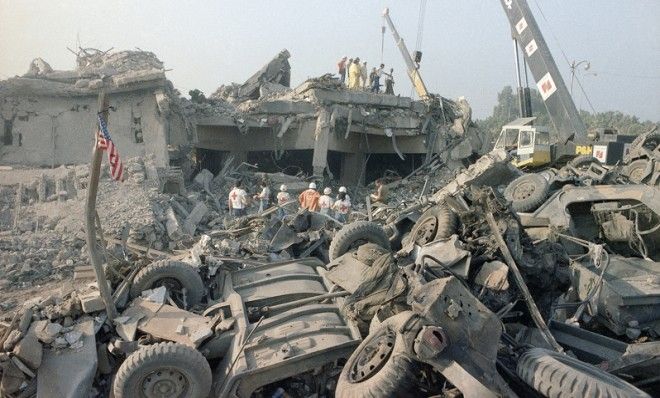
(420, 24)
(420, 33)
(556, 39)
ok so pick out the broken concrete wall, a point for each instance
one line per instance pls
(50, 131)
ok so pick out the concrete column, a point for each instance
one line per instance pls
(321, 139)
(351, 169)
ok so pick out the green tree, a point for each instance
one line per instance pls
(506, 110)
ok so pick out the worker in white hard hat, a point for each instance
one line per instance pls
(282, 197)
(309, 198)
(325, 201)
(343, 189)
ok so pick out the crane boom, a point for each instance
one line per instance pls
(413, 71)
(561, 108)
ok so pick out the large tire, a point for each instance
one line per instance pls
(163, 370)
(438, 222)
(583, 161)
(379, 367)
(356, 233)
(527, 192)
(560, 376)
(635, 171)
(174, 275)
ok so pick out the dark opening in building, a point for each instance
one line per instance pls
(378, 164)
(290, 162)
(7, 138)
(334, 163)
(210, 159)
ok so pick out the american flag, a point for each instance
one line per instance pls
(105, 143)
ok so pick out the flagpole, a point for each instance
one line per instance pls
(90, 213)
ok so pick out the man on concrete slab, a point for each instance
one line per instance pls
(325, 201)
(381, 192)
(309, 199)
(341, 66)
(237, 200)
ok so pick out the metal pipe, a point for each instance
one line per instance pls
(90, 214)
(307, 300)
(520, 282)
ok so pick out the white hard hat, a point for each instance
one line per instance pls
(342, 189)
(312, 185)
(283, 187)
(327, 191)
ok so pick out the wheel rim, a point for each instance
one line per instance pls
(164, 383)
(636, 172)
(372, 357)
(425, 230)
(524, 190)
(174, 288)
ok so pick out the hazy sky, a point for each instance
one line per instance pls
(466, 43)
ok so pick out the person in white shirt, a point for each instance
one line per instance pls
(343, 189)
(342, 207)
(282, 197)
(237, 200)
(263, 196)
(325, 201)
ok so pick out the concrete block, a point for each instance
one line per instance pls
(92, 302)
(29, 351)
(46, 331)
(12, 379)
(195, 216)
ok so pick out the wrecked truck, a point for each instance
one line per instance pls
(459, 316)
(270, 321)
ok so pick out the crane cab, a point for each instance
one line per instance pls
(529, 144)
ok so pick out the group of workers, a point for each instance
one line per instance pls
(310, 199)
(358, 78)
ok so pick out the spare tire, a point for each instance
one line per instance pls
(636, 171)
(582, 161)
(560, 376)
(527, 192)
(163, 370)
(174, 275)
(379, 367)
(355, 234)
(438, 222)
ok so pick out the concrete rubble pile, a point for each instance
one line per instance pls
(472, 279)
(457, 273)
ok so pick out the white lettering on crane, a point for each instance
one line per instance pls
(531, 48)
(521, 26)
(546, 86)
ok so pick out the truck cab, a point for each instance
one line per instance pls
(529, 144)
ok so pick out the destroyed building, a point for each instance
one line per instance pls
(475, 281)
(48, 116)
(322, 127)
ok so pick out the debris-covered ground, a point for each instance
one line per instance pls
(463, 277)
(448, 291)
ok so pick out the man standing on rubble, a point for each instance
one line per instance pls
(263, 196)
(342, 207)
(381, 192)
(309, 199)
(282, 198)
(325, 201)
(354, 73)
(343, 189)
(389, 82)
(379, 72)
(237, 200)
(341, 66)
(364, 74)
